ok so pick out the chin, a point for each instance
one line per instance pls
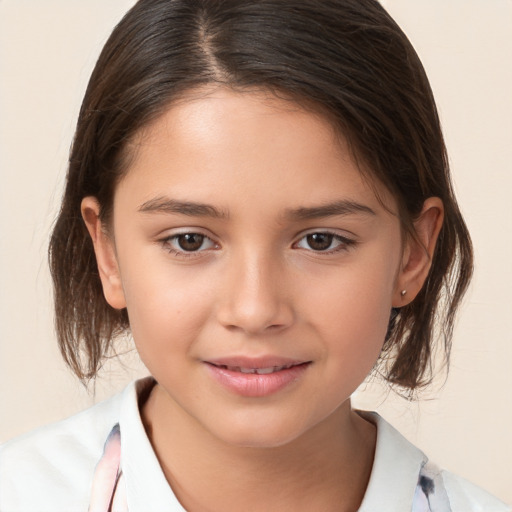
(255, 433)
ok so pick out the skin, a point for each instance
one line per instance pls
(256, 287)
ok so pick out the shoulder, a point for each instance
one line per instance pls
(467, 497)
(402, 473)
(51, 468)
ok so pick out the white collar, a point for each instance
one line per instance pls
(395, 470)
(146, 485)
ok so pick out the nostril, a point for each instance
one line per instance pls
(255, 329)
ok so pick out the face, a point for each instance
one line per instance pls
(257, 266)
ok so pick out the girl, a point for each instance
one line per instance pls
(259, 192)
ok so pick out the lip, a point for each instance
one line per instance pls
(231, 373)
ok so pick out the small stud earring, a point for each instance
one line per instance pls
(403, 292)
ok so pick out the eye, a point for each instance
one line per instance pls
(324, 242)
(188, 243)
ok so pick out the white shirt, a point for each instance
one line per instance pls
(51, 469)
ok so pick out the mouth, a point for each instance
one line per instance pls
(257, 378)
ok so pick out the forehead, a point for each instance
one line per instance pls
(261, 115)
(220, 143)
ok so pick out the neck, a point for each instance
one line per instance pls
(326, 469)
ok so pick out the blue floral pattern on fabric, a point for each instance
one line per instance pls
(430, 495)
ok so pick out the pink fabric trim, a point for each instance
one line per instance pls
(108, 492)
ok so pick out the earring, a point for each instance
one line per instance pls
(403, 292)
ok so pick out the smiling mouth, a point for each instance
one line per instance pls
(257, 379)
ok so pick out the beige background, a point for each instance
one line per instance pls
(47, 50)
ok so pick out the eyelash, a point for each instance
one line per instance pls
(344, 243)
(167, 244)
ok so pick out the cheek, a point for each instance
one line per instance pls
(351, 310)
(167, 308)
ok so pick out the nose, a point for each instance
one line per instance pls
(255, 297)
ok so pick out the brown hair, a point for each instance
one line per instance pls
(347, 57)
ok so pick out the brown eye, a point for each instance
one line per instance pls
(325, 242)
(320, 241)
(190, 244)
(190, 241)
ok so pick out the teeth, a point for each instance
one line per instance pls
(259, 371)
(265, 371)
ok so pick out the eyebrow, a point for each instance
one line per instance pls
(189, 208)
(342, 207)
(195, 209)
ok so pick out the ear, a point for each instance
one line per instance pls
(418, 253)
(105, 253)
